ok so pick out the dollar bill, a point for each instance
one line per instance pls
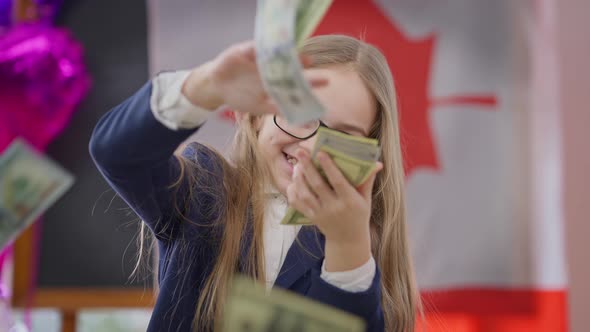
(309, 15)
(280, 24)
(250, 309)
(29, 184)
(355, 157)
(354, 146)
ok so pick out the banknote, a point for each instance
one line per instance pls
(355, 157)
(250, 309)
(279, 25)
(358, 147)
(309, 15)
(29, 184)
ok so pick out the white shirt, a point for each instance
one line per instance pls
(171, 108)
(277, 238)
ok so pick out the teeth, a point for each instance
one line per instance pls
(291, 160)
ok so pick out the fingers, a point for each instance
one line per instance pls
(300, 196)
(306, 60)
(335, 177)
(247, 49)
(313, 78)
(312, 176)
(298, 204)
(269, 106)
(366, 188)
(316, 80)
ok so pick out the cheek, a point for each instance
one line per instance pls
(308, 144)
(266, 138)
(271, 137)
(270, 143)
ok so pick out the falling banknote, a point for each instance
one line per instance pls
(355, 157)
(29, 184)
(251, 309)
(309, 15)
(282, 25)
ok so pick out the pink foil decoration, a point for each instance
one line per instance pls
(42, 80)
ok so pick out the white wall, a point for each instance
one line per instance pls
(574, 45)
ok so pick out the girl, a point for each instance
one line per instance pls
(213, 217)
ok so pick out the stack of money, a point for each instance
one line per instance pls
(29, 184)
(280, 26)
(355, 157)
(250, 309)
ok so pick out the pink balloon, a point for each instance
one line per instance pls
(42, 80)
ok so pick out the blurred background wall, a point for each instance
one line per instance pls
(84, 234)
(574, 43)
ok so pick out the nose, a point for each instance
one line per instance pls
(308, 143)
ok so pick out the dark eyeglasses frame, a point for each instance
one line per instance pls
(322, 124)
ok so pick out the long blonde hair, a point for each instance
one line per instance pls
(244, 199)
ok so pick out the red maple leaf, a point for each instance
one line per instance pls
(410, 62)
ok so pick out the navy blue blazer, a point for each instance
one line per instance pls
(134, 153)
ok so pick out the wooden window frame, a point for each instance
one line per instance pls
(68, 300)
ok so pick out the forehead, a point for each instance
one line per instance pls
(347, 99)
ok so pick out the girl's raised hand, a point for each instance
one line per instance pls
(341, 211)
(232, 79)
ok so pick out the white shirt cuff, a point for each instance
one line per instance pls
(170, 107)
(357, 280)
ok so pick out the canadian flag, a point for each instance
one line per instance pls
(483, 178)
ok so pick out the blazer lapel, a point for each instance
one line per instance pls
(306, 252)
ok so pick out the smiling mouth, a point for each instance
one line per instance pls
(290, 159)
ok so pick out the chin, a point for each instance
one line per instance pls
(281, 183)
(281, 175)
(282, 186)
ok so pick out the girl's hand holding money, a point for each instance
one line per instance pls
(341, 211)
(232, 79)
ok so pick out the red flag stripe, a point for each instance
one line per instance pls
(504, 310)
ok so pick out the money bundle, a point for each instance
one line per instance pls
(355, 157)
(29, 184)
(250, 309)
(281, 25)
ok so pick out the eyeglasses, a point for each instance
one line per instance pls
(302, 132)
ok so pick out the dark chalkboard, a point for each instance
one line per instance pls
(81, 244)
